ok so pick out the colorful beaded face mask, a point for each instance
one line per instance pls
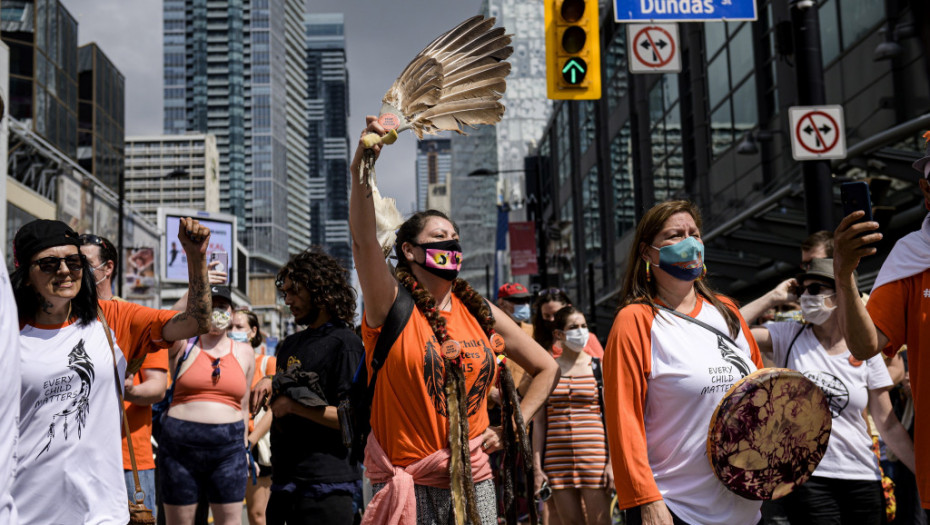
(443, 258)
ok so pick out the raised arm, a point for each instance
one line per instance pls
(781, 294)
(213, 276)
(195, 319)
(379, 288)
(532, 358)
(862, 337)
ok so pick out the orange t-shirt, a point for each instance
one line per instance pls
(140, 416)
(260, 373)
(901, 310)
(408, 411)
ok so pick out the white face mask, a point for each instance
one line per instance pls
(814, 310)
(241, 337)
(576, 339)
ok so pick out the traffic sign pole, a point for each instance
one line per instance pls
(818, 187)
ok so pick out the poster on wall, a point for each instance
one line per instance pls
(76, 204)
(106, 220)
(140, 283)
(221, 247)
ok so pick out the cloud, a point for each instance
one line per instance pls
(382, 37)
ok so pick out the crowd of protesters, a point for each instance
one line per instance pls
(627, 420)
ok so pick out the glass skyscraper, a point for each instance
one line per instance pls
(227, 68)
(328, 109)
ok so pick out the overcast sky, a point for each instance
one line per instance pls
(381, 36)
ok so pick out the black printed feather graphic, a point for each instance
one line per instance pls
(479, 389)
(79, 362)
(729, 355)
(433, 373)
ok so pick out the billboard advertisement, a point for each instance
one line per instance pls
(221, 247)
(139, 282)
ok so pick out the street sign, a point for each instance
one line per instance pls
(684, 10)
(817, 132)
(653, 48)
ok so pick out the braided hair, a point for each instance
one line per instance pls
(462, 484)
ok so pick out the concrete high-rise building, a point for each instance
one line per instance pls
(499, 150)
(172, 171)
(434, 166)
(42, 37)
(233, 69)
(101, 114)
(328, 109)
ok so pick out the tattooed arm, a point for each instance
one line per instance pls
(195, 319)
(374, 276)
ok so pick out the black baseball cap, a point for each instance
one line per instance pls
(35, 236)
(222, 292)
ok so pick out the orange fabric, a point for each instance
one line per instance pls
(404, 417)
(140, 417)
(137, 328)
(259, 374)
(196, 383)
(627, 366)
(901, 310)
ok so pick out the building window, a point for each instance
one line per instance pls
(842, 27)
(665, 133)
(730, 82)
(615, 68)
(621, 170)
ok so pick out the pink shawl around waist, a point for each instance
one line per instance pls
(395, 503)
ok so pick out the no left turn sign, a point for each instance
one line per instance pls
(817, 132)
(653, 48)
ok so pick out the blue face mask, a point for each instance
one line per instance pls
(683, 260)
(521, 312)
(240, 337)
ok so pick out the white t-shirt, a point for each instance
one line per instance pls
(849, 452)
(680, 371)
(9, 396)
(70, 461)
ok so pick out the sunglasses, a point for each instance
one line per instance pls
(88, 238)
(814, 288)
(216, 370)
(74, 262)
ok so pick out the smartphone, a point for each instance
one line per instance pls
(223, 265)
(856, 197)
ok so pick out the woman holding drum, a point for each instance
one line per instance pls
(675, 349)
(846, 486)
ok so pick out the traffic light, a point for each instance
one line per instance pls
(573, 50)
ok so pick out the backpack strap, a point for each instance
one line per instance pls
(791, 344)
(394, 324)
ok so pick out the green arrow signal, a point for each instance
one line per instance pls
(574, 70)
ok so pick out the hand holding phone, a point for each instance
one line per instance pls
(222, 262)
(856, 196)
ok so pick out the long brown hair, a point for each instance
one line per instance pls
(637, 289)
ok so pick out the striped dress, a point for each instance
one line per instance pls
(576, 449)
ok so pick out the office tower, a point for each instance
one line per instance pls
(42, 37)
(172, 171)
(498, 151)
(434, 166)
(228, 66)
(328, 109)
(101, 114)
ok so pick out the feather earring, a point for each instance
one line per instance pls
(648, 273)
(704, 271)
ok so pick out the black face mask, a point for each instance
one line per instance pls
(443, 258)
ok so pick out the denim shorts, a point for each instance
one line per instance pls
(202, 457)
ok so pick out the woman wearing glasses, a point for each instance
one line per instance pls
(202, 444)
(69, 460)
(846, 486)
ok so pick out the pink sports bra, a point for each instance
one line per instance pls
(220, 380)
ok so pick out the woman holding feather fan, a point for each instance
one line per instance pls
(448, 338)
(427, 453)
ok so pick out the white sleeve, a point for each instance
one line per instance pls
(878, 373)
(9, 395)
(781, 333)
